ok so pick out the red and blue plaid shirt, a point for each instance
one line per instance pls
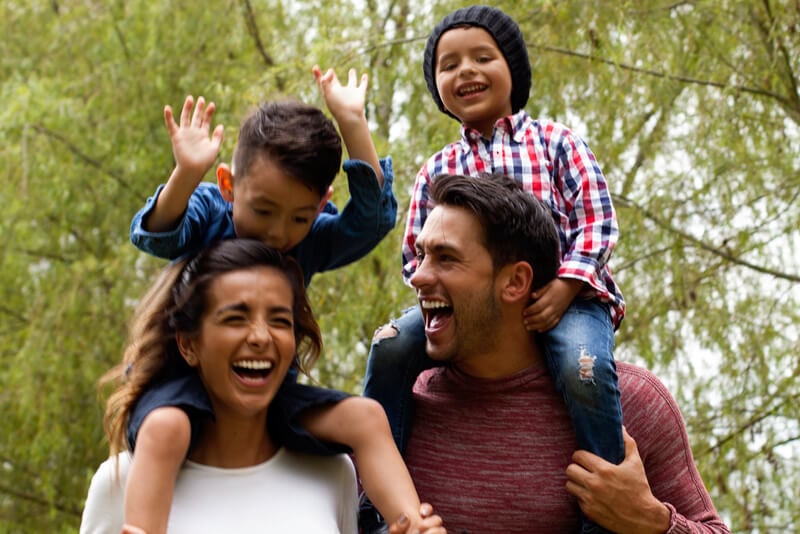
(556, 166)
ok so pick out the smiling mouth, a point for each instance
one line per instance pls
(435, 313)
(471, 89)
(253, 369)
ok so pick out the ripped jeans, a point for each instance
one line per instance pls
(579, 353)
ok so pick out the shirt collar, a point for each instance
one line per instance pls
(514, 124)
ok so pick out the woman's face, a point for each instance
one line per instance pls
(246, 342)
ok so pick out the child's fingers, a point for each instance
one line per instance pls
(364, 81)
(199, 112)
(209, 114)
(169, 120)
(351, 77)
(216, 136)
(186, 111)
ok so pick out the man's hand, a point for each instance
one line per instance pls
(194, 151)
(617, 497)
(430, 524)
(549, 304)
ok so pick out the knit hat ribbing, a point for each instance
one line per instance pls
(506, 34)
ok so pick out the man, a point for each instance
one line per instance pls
(492, 445)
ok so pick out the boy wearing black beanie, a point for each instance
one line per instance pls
(477, 70)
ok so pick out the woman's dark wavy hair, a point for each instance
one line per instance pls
(176, 303)
(516, 226)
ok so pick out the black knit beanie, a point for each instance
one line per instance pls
(506, 34)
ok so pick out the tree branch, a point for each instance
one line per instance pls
(83, 156)
(724, 254)
(252, 28)
(785, 103)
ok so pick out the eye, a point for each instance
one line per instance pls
(283, 322)
(450, 65)
(485, 59)
(233, 319)
(263, 213)
(301, 220)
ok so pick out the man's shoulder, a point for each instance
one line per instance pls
(641, 388)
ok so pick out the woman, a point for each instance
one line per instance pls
(237, 313)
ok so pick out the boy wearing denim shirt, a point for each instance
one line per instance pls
(477, 69)
(277, 190)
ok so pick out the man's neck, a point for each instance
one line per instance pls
(514, 350)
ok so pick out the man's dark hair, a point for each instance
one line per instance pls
(297, 137)
(516, 226)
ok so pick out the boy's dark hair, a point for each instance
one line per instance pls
(505, 32)
(297, 137)
(516, 226)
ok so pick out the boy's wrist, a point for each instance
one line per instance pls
(351, 119)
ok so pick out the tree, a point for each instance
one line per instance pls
(691, 107)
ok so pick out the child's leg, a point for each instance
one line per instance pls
(160, 430)
(396, 358)
(579, 352)
(361, 424)
(161, 446)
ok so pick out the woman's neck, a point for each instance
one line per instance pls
(228, 442)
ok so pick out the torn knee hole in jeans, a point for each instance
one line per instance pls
(586, 365)
(384, 332)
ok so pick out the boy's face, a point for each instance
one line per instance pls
(273, 206)
(473, 78)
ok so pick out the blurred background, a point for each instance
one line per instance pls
(691, 107)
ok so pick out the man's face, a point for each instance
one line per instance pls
(455, 285)
(273, 206)
(472, 78)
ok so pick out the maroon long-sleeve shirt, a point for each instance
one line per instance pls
(491, 455)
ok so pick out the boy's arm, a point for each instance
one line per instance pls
(592, 230)
(346, 103)
(361, 424)
(195, 153)
(418, 210)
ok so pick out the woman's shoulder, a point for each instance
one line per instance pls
(103, 509)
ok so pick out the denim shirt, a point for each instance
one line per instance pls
(335, 239)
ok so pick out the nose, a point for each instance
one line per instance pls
(276, 235)
(467, 68)
(259, 335)
(422, 275)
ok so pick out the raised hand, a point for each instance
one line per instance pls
(194, 150)
(345, 102)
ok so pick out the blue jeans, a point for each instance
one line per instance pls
(580, 357)
(392, 368)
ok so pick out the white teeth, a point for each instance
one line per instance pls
(471, 89)
(257, 365)
(433, 304)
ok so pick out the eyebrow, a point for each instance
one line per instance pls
(272, 204)
(436, 248)
(472, 49)
(242, 307)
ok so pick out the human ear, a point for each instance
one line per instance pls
(225, 181)
(186, 347)
(325, 198)
(517, 279)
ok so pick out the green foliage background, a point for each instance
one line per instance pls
(691, 107)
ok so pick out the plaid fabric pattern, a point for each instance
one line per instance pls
(556, 166)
